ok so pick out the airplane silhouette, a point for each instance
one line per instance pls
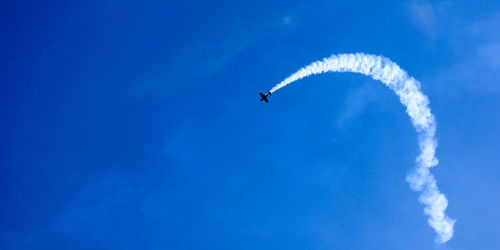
(264, 97)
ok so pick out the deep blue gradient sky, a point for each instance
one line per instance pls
(137, 125)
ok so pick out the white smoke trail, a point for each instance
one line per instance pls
(416, 103)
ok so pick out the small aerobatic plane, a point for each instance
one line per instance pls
(264, 97)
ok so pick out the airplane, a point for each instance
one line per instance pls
(264, 97)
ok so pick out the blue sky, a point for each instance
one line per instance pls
(137, 125)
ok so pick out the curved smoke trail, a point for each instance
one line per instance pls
(416, 103)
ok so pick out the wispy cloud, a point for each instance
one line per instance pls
(355, 104)
(475, 64)
(200, 62)
(423, 14)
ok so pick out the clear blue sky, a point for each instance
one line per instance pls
(137, 125)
